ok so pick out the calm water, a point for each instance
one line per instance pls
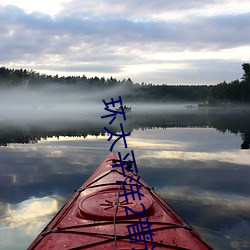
(194, 159)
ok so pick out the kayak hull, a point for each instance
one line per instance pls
(100, 215)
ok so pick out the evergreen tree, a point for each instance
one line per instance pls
(246, 69)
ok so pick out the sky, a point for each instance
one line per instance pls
(152, 41)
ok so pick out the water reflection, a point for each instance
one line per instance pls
(193, 161)
(29, 210)
(233, 121)
(20, 222)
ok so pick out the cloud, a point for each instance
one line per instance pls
(149, 9)
(116, 30)
(125, 40)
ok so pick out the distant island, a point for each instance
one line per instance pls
(231, 94)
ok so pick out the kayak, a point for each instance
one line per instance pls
(126, 109)
(116, 209)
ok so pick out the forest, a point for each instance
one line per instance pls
(224, 93)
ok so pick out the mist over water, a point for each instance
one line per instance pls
(55, 102)
(61, 102)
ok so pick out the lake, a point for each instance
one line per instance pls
(198, 160)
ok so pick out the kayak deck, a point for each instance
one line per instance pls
(100, 215)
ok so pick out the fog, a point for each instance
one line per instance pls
(49, 103)
(65, 103)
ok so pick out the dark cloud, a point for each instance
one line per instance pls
(200, 29)
(221, 30)
(225, 31)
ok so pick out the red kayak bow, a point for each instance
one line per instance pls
(110, 211)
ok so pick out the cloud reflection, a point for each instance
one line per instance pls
(228, 203)
(29, 212)
(22, 222)
(223, 156)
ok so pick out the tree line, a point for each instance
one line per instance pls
(236, 91)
